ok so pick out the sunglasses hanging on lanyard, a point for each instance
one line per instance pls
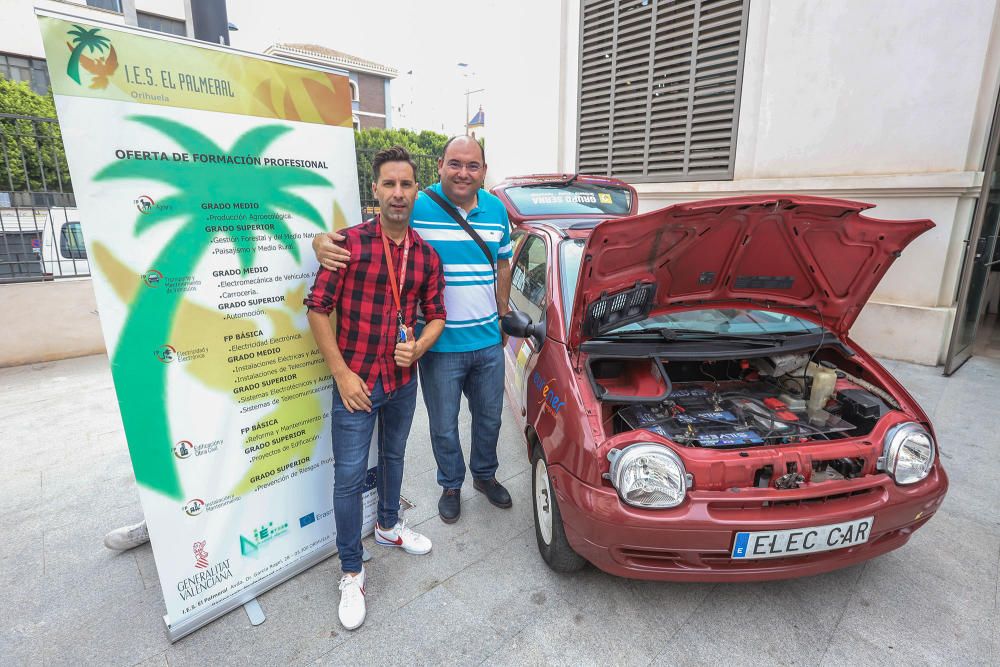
(401, 336)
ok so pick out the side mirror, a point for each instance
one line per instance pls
(519, 325)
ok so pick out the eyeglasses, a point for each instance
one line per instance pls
(471, 167)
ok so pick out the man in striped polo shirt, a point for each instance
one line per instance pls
(468, 358)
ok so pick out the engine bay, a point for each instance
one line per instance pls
(738, 403)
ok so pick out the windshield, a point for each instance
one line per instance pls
(573, 199)
(724, 321)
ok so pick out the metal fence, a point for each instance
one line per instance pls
(41, 237)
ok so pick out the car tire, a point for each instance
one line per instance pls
(549, 531)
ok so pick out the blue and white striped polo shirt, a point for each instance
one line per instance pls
(469, 281)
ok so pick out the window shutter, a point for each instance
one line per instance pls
(659, 88)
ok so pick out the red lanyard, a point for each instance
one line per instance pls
(392, 271)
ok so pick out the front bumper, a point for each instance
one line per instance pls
(693, 542)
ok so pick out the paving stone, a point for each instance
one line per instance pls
(916, 606)
(301, 624)
(124, 630)
(437, 628)
(483, 594)
(779, 622)
(155, 661)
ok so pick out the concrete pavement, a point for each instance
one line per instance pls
(483, 595)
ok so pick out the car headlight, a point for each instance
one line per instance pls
(648, 475)
(908, 453)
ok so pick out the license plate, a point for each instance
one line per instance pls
(798, 541)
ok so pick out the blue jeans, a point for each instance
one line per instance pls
(352, 436)
(444, 377)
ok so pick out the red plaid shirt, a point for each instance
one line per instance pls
(366, 312)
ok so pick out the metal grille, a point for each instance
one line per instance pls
(40, 233)
(659, 88)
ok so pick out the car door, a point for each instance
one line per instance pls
(528, 294)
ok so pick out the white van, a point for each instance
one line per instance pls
(62, 251)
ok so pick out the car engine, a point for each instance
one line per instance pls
(739, 403)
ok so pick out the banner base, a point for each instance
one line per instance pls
(254, 612)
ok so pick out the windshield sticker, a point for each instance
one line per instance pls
(573, 199)
(566, 198)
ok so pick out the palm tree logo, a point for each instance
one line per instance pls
(90, 41)
(141, 386)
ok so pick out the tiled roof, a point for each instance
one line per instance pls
(331, 57)
(479, 118)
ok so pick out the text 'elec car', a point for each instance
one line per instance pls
(691, 401)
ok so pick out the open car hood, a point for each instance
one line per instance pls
(781, 250)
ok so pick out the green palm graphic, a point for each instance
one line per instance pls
(140, 380)
(84, 39)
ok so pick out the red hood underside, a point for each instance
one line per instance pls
(784, 250)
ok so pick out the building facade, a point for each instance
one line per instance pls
(22, 57)
(369, 81)
(851, 99)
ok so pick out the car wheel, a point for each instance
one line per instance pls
(549, 532)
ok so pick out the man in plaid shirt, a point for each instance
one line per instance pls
(372, 356)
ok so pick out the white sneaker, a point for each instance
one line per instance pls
(399, 535)
(127, 537)
(352, 608)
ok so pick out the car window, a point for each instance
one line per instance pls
(527, 292)
(570, 254)
(515, 241)
(71, 241)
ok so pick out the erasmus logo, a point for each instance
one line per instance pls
(102, 66)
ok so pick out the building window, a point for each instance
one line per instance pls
(660, 88)
(110, 5)
(161, 24)
(23, 68)
(355, 97)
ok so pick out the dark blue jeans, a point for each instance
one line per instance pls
(444, 377)
(352, 436)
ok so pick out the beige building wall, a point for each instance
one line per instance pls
(865, 101)
(44, 321)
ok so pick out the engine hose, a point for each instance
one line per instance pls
(775, 420)
(881, 393)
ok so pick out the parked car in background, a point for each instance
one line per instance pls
(63, 252)
(688, 392)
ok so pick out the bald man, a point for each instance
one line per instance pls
(468, 358)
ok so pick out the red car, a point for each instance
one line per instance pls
(690, 399)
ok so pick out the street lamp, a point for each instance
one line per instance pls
(468, 92)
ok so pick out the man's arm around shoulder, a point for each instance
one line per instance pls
(330, 255)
